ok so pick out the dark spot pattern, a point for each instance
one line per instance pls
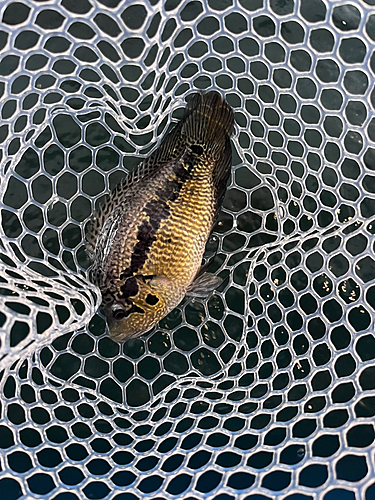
(181, 172)
(151, 299)
(170, 191)
(145, 236)
(157, 210)
(129, 288)
(132, 310)
(197, 149)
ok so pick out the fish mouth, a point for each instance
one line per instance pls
(121, 330)
(120, 336)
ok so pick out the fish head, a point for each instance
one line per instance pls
(132, 315)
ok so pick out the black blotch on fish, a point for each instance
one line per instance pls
(145, 237)
(197, 149)
(129, 288)
(152, 300)
(170, 191)
(181, 172)
(133, 309)
(156, 211)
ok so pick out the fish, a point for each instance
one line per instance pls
(147, 239)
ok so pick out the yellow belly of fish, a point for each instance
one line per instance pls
(181, 238)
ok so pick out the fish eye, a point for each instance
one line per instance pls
(118, 312)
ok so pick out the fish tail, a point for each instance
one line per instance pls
(209, 120)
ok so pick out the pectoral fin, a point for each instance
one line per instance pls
(204, 267)
(203, 285)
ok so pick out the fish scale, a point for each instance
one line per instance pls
(188, 227)
(147, 240)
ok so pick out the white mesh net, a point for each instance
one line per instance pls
(267, 388)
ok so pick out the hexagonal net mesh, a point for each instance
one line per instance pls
(263, 390)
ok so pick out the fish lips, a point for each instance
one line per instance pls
(127, 328)
(118, 333)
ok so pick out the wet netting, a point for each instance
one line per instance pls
(265, 389)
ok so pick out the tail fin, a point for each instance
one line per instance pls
(208, 119)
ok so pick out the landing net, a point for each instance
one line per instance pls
(264, 390)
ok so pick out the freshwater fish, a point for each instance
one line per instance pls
(147, 240)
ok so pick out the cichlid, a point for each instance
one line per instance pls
(148, 238)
